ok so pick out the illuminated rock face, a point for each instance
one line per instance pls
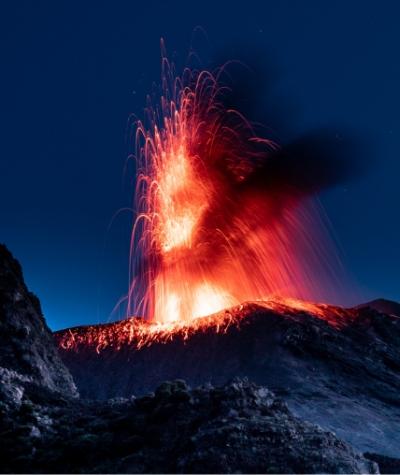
(343, 375)
(27, 350)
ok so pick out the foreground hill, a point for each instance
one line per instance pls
(334, 367)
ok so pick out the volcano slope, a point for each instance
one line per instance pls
(236, 428)
(334, 367)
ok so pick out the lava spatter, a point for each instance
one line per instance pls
(215, 225)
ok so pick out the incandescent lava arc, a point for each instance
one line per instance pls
(216, 224)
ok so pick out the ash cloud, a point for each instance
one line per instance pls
(306, 162)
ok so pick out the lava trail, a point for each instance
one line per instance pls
(137, 333)
(219, 221)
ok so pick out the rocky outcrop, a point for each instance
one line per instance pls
(28, 355)
(345, 378)
(386, 464)
(237, 428)
(383, 306)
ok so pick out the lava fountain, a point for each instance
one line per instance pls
(217, 222)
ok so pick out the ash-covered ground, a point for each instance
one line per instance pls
(215, 425)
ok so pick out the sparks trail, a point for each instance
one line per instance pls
(218, 223)
(137, 333)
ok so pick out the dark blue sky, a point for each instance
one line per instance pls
(72, 72)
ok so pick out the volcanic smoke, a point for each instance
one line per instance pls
(219, 220)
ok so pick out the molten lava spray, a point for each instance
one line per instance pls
(218, 220)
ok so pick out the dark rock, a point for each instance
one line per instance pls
(237, 428)
(346, 379)
(386, 464)
(383, 306)
(27, 350)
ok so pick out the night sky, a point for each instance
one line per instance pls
(73, 72)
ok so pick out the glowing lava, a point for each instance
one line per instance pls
(137, 333)
(215, 226)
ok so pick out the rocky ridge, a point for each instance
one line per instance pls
(235, 427)
(239, 427)
(27, 352)
(344, 378)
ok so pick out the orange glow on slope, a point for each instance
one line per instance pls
(138, 333)
(207, 235)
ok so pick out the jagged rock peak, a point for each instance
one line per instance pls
(27, 346)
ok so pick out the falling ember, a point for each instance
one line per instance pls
(216, 224)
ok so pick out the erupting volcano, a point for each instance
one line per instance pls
(221, 296)
(220, 221)
(228, 253)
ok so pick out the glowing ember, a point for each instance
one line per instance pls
(214, 226)
(138, 333)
